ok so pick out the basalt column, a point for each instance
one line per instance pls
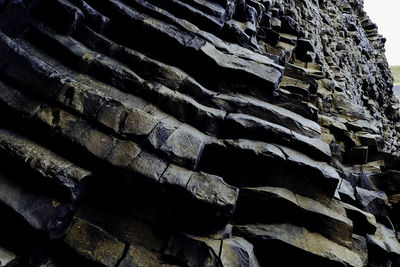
(196, 133)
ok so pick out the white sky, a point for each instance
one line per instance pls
(386, 13)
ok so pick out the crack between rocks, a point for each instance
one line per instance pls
(130, 163)
(111, 148)
(283, 152)
(189, 180)
(219, 261)
(155, 126)
(298, 203)
(194, 37)
(123, 256)
(96, 113)
(340, 184)
(338, 187)
(162, 174)
(387, 217)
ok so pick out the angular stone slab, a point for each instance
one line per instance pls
(245, 125)
(139, 256)
(204, 251)
(388, 182)
(321, 167)
(123, 78)
(374, 202)
(49, 165)
(237, 251)
(186, 145)
(205, 188)
(212, 189)
(94, 243)
(301, 244)
(40, 211)
(14, 18)
(279, 205)
(239, 103)
(249, 163)
(192, 250)
(270, 75)
(363, 222)
(7, 258)
(385, 239)
(360, 248)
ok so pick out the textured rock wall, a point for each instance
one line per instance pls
(196, 133)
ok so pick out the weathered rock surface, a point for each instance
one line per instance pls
(283, 205)
(94, 243)
(304, 245)
(196, 133)
(7, 259)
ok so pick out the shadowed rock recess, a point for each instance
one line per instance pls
(196, 133)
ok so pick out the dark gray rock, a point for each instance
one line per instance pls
(360, 247)
(149, 166)
(186, 145)
(266, 131)
(194, 251)
(374, 202)
(385, 240)
(138, 123)
(40, 211)
(65, 18)
(123, 153)
(346, 191)
(14, 18)
(175, 109)
(145, 167)
(60, 172)
(93, 243)
(304, 246)
(284, 205)
(212, 189)
(7, 258)
(176, 176)
(237, 251)
(234, 251)
(139, 256)
(387, 182)
(363, 222)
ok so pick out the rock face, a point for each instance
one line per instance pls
(196, 133)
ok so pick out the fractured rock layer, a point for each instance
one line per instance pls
(196, 133)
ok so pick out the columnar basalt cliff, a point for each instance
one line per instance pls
(196, 133)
